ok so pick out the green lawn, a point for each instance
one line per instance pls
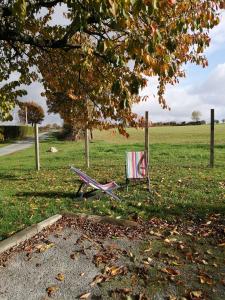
(183, 186)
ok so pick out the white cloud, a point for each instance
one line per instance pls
(217, 35)
(213, 89)
(184, 99)
(200, 94)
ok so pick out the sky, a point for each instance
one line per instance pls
(201, 89)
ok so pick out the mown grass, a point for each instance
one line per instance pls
(182, 184)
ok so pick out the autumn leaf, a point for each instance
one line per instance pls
(114, 270)
(60, 277)
(222, 245)
(196, 294)
(85, 296)
(172, 298)
(44, 247)
(205, 279)
(148, 261)
(170, 271)
(169, 241)
(74, 256)
(52, 289)
(97, 279)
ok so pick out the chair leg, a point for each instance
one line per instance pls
(127, 183)
(148, 184)
(79, 189)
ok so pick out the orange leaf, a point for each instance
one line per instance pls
(51, 290)
(60, 277)
(85, 296)
(170, 271)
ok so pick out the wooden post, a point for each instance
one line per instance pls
(26, 120)
(146, 137)
(212, 139)
(147, 147)
(37, 156)
(87, 148)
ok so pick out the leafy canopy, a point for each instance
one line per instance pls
(156, 37)
(35, 113)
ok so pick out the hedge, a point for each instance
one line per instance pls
(15, 132)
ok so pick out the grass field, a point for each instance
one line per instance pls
(186, 206)
(182, 184)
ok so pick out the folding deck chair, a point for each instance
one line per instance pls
(137, 167)
(88, 181)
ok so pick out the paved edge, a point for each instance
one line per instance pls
(27, 233)
(102, 219)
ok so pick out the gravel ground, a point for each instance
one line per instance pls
(32, 272)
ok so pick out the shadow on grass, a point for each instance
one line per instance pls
(185, 211)
(50, 195)
(10, 177)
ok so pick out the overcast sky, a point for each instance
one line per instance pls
(201, 90)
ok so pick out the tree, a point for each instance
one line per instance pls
(159, 37)
(35, 113)
(89, 96)
(196, 115)
(9, 98)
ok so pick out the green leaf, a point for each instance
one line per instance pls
(19, 11)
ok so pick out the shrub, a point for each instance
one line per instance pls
(1, 135)
(15, 132)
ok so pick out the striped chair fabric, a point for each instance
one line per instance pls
(136, 165)
(88, 181)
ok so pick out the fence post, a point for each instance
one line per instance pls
(147, 146)
(146, 136)
(87, 148)
(212, 139)
(26, 120)
(37, 156)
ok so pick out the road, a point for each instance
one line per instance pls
(20, 145)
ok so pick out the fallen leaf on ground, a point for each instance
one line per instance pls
(60, 277)
(169, 241)
(158, 234)
(196, 294)
(204, 262)
(114, 270)
(51, 290)
(74, 256)
(170, 271)
(148, 250)
(44, 247)
(97, 279)
(85, 296)
(222, 245)
(148, 261)
(205, 279)
(172, 298)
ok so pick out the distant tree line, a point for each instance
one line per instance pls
(174, 123)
